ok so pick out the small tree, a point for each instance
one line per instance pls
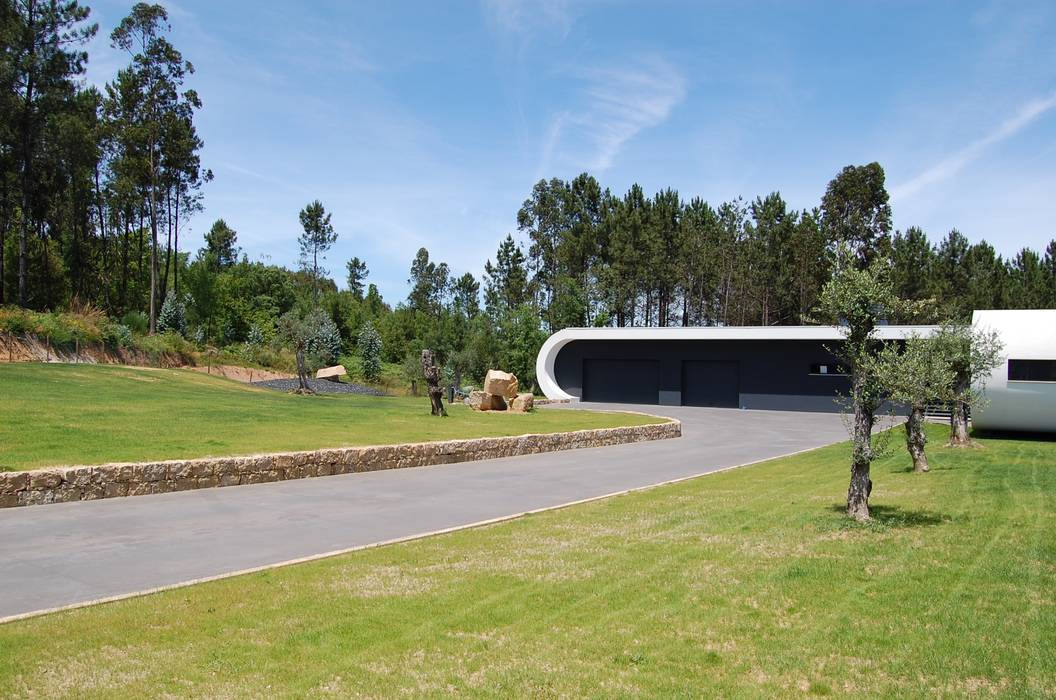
(916, 375)
(973, 354)
(173, 315)
(357, 275)
(859, 300)
(369, 344)
(310, 337)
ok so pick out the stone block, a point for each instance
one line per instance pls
(331, 373)
(523, 403)
(229, 479)
(8, 500)
(187, 483)
(44, 479)
(13, 482)
(78, 476)
(148, 473)
(115, 490)
(65, 495)
(499, 383)
(93, 492)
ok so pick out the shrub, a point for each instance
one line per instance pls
(136, 321)
(369, 345)
(255, 337)
(173, 315)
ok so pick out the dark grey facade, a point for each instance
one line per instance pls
(754, 374)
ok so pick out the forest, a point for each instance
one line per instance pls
(96, 183)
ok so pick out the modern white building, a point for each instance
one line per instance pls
(1020, 394)
(781, 367)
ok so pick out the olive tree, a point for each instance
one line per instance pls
(973, 354)
(859, 300)
(311, 336)
(916, 374)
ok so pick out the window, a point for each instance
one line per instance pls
(1032, 370)
(828, 369)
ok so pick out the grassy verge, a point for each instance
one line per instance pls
(748, 583)
(88, 414)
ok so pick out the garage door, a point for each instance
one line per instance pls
(711, 384)
(621, 381)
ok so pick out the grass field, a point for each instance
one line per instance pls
(748, 583)
(89, 414)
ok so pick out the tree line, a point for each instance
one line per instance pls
(95, 185)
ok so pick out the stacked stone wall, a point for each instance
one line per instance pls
(61, 485)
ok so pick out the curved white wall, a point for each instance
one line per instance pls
(1018, 405)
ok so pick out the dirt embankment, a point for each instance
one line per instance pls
(242, 374)
(28, 348)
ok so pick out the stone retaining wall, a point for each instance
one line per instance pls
(60, 485)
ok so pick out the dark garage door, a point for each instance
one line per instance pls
(621, 381)
(711, 384)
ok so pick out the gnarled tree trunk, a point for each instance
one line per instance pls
(432, 380)
(302, 370)
(916, 438)
(861, 485)
(959, 425)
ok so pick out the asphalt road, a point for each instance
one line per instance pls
(69, 553)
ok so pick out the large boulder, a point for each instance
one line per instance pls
(331, 373)
(523, 403)
(499, 383)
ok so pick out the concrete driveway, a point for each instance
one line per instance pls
(69, 553)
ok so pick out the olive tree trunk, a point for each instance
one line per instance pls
(302, 370)
(861, 485)
(959, 425)
(916, 438)
(432, 380)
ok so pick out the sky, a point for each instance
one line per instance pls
(426, 124)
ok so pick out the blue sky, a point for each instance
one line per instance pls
(426, 124)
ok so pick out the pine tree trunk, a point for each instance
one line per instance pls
(916, 438)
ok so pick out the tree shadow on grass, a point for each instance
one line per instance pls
(886, 517)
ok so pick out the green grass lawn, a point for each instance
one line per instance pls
(748, 583)
(89, 414)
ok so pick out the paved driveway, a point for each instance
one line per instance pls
(68, 553)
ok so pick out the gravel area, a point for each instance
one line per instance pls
(321, 386)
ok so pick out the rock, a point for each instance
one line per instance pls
(501, 384)
(331, 373)
(523, 403)
(497, 402)
(476, 401)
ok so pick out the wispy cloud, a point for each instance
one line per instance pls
(526, 16)
(955, 162)
(621, 103)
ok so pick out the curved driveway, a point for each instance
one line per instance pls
(68, 553)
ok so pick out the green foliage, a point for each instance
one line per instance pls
(918, 373)
(369, 346)
(136, 321)
(255, 337)
(317, 238)
(855, 212)
(972, 354)
(221, 246)
(173, 315)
